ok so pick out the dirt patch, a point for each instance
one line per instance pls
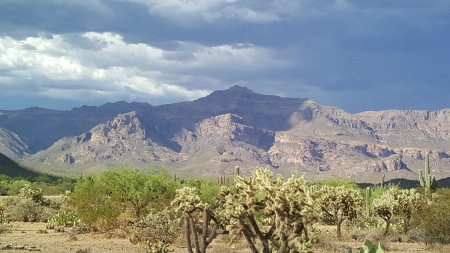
(23, 236)
(34, 237)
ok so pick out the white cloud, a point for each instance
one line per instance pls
(58, 68)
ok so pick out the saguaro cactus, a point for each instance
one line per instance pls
(236, 171)
(367, 199)
(427, 181)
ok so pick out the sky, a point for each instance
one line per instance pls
(359, 55)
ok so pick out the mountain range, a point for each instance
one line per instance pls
(228, 128)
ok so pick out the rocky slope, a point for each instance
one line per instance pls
(211, 135)
(11, 145)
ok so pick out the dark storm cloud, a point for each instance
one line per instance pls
(359, 55)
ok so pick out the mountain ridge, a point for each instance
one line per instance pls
(211, 135)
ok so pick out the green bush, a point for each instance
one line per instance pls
(140, 191)
(15, 186)
(207, 189)
(100, 199)
(335, 182)
(64, 219)
(433, 223)
(95, 203)
(369, 247)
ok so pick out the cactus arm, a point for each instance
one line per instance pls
(421, 179)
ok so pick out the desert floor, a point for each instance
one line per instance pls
(22, 237)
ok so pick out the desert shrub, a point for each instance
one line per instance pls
(95, 203)
(433, 223)
(15, 186)
(28, 205)
(158, 247)
(101, 198)
(26, 210)
(4, 187)
(66, 184)
(208, 191)
(31, 193)
(161, 225)
(3, 228)
(140, 190)
(366, 221)
(64, 219)
(335, 182)
(2, 212)
(369, 247)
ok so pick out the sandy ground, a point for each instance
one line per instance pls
(35, 237)
(23, 237)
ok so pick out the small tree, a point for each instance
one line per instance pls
(101, 198)
(140, 189)
(96, 204)
(340, 202)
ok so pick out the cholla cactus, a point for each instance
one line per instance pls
(158, 247)
(204, 230)
(27, 192)
(398, 203)
(286, 207)
(340, 202)
(188, 201)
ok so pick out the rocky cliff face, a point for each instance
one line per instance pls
(123, 138)
(237, 127)
(11, 145)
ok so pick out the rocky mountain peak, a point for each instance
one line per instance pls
(233, 92)
(124, 126)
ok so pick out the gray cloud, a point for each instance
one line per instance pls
(359, 55)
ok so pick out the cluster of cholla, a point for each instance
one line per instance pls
(285, 210)
(273, 214)
(201, 224)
